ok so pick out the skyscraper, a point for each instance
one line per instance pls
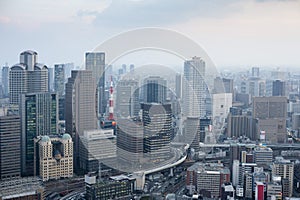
(27, 77)
(155, 90)
(10, 153)
(127, 103)
(278, 88)
(157, 121)
(5, 80)
(80, 106)
(39, 116)
(95, 61)
(178, 85)
(194, 88)
(59, 79)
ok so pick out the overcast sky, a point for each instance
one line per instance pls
(233, 32)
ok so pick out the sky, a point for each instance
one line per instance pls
(234, 33)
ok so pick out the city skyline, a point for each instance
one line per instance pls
(234, 33)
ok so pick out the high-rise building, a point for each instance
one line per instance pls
(5, 80)
(157, 121)
(39, 116)
(50, 79)
(95, 62)
(204, 124)
(127, 103)
(80, 106)
(223, 85)
(192, 132)
(178, 85)
(278, 88)
(10, 152)
(59, 79)
(54, 157)
(255, 72)
(194, 88)
(96, 146)
(155, 90)
(27, 77)
(271, 114)
(284, 169)
(130, 141)
(221, 104)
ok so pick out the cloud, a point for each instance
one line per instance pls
(126, 13)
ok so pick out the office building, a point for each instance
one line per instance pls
(22, 188)
(130, 141)
(10, 152)
(227, 192)
(255, 72)
(5, 80)
(27, 77)
(263, 156)
(39, 116)
(178, 85)
(80, 107)
(120, 187)
(54, 157)
(274, 188)
(96, 146)
(204, 124)
(271, 114)
(223, 85)
(155, 90)
(95, 62)
(192, 132)
(278, 88)
(209, 178)
(50, 79)
(194, 88)
(284, 169)
(221, 103)
(59, 79)
(157, 121)
(127, 102)
(260, 189)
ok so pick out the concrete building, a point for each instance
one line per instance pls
(223, 85)
(263, 156)
(22, 189)
(271, 114)
(127, 98)
(54, 157)
(95, 62)
(192, 132)
(221, 103)
(278, 88)
(194, 88)
(10, 152)
(27, 77)
(96, 146)
(81, 107)
(284, 169)
(39, 116)
(130, 140)
(154, 90)
(157, 121)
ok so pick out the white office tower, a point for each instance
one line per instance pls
(235, 172)
(194, 88)
(221, 104)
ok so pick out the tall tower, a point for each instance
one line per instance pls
(80, 106)
(27, 77)
(278, 88)
(5, 80)
(194, 88)
(39, 116)
(95, 62)
(155, 90)
(127, 102)
(157, 121)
